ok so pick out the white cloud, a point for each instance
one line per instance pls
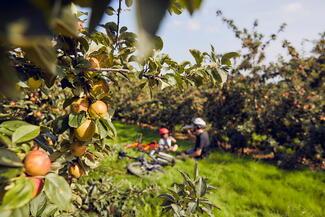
(193, 25)
(292, 7)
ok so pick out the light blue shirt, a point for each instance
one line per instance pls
(165, 142)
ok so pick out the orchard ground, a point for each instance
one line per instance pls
(245, 187)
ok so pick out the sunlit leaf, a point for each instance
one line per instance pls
(19, 195)
(38, 204)
(226, 58)
(9, 158)
(13, 125)
(25, 133)
(128, 3)
(197, 56)
(61, 124)
(58, 190)
(191, 5)
(21, 212)
(76, 119)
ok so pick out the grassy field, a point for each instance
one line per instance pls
(245, 187)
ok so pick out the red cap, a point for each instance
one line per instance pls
(163, 131)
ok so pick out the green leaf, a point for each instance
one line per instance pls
(176, 209)
(191, 5)
(158, 43)
(102, 129)
(211, 187)
(175, 8)
(61, 124)
(110, 27)
(13, 125)
(21, 212)
(207, 203)
(5, 213)
(191, 208)
(70, 100)
(128, 3)
(19, 195)
(226, 58)
(66, 24)
(167, 197)
(149, 16)
(218, 75)
(25, 133)
(187, 179)
(197, 56)
(5, 139)
(123, 29)
(163, 84)
(208, 211)
(109, 127)
(58, 190)
(5, 131)
(201, 188)
(76, 119)
(9, 158)
(9, 172)
(98, 8)
(44, 56)
(8, 75)
(83, 44)
(110, 11)
(38, 205)
(141, 86)
(174, 194)
(223, 76)
(50, 210)
(196, 171)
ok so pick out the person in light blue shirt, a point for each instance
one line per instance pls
(166, 141)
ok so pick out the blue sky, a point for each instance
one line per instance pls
(305, 19)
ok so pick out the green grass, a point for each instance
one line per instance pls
(245, 187)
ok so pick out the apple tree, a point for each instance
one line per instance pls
(57, 81)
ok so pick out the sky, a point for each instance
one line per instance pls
(305, 20)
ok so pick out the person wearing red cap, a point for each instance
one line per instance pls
(166, 140)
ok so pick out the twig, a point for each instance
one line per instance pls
(106, 69)
(118, 20)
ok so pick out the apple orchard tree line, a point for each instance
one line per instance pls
(275, 108)
(57, 79)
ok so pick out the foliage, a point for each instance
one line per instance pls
(275, 108)
(57, 83)
(18, 135)
(187, 199)
(245, 187)
(29, 26)
(104, 198)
